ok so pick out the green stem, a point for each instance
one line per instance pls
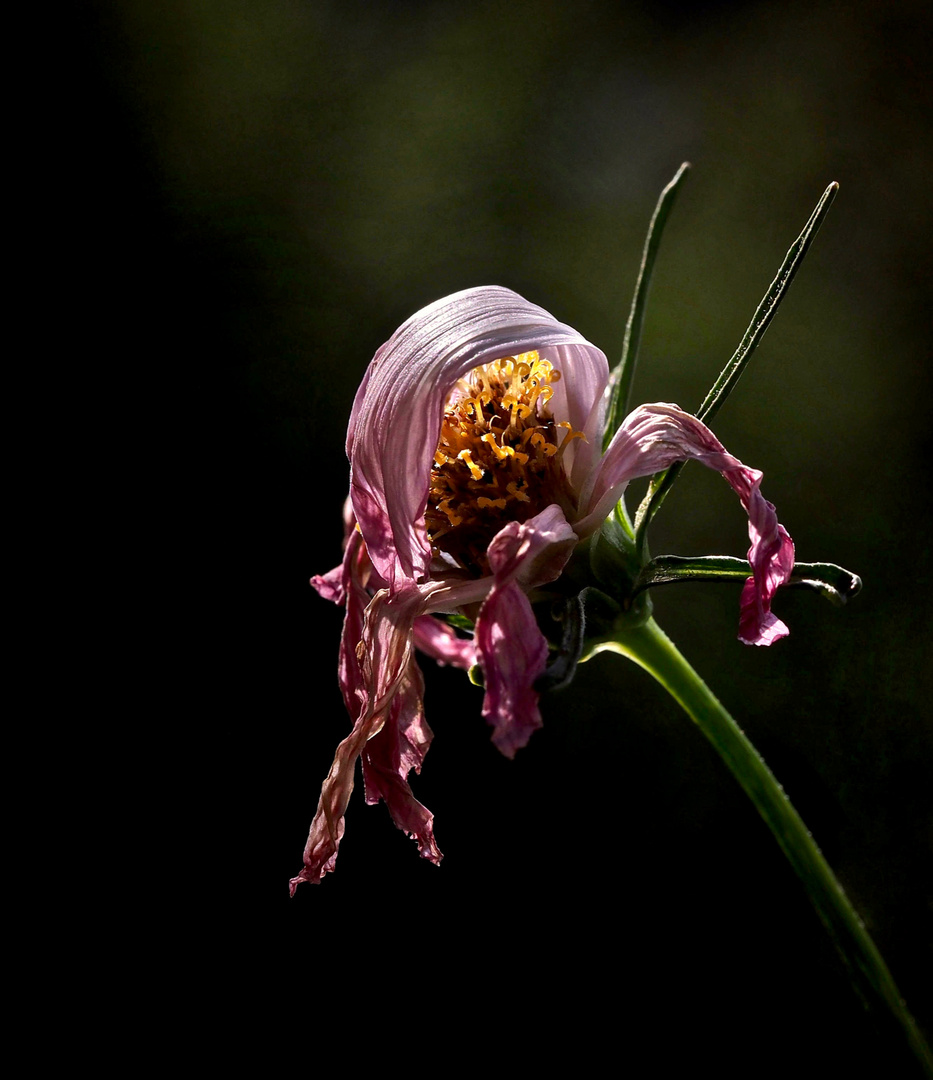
(653, 650)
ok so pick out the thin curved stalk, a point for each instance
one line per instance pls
(653, 650)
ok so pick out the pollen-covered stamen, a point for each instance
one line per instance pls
(498, 458)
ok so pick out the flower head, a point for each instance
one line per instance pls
(476, 468)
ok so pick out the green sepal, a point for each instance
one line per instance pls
(567, 612)
(831, 581)
(613, 563)
(620, 381)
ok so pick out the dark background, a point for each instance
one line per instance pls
(253, 197)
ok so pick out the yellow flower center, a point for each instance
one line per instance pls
(498, 458)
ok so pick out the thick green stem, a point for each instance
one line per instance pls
(653, 650)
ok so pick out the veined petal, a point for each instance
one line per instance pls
(513, 654)
(350, 590)
(534, 552)
(392, 753)
(395, 423)
(655, 436)
(512, 650)
(329, 586)
(440, 641)
(772, 560)
(383, 659)
(333, 585)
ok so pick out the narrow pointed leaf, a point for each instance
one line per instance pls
(767, 309)
(831, 581)
(724, 385)
(620, 383)
(669, 569)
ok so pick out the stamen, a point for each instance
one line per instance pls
(498, 425)
(568, 438)
(467, 457)
(501, 452)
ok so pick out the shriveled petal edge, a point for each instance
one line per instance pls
(441, 642)
(653, 437)
(392, 753)
(384, 656)
(512, 650)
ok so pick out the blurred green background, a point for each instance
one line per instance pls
(259, 194)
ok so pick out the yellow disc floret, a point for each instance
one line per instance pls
(498, 458)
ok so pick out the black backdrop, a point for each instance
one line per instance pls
(252, 201)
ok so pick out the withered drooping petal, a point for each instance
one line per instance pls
(512, 650)
(392, 753)
(408, 396)
(441, 643)
(384, 655)
(513, 654)
(652, 438)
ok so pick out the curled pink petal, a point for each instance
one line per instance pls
(512, 650)
(440, 641)
(384, 654)
(513, 653)
(356, 565)
(655, 436)
(534, 552)
(396, 418)
(772, 560)
(757, 624)
(329, 586)
(392, 753)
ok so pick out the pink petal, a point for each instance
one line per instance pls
(347, 585)
(440, 641)
(330, 585)
(373, 674)
(392, 753)
(395, 424)
(757, 624)
(512, 650)
(534, 552)
(654, 437)
(513, 653)
(356, 564)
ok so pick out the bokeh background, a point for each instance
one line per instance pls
(257, 195)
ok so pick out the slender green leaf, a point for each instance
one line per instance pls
(731, 373)
(669, 569)
(620, 382)
(831, 581)
(767, 309)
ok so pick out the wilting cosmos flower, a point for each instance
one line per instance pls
(476, 468)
